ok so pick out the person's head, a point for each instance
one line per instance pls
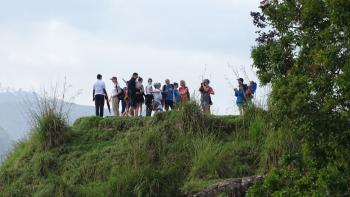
(240, 81)
(140, 80)
(182, 83)
(99, 76)
(150, 81)
(167, 81)
(135, 75)
(157, 85)
(114, 80)
(251, 83)
(125, 88)
(206, 82)
(176, 85)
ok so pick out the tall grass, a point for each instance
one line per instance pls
(48, 116)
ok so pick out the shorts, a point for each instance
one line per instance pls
(240, 105)
(132, 101)
(140, 98)
(169, 103)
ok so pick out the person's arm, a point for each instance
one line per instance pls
(93, 95)
(211, 91)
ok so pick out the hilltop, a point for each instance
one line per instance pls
(14, 124)
(170, 154)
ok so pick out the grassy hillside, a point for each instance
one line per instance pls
(167, 155)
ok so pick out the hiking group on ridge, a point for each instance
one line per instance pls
(158, 98)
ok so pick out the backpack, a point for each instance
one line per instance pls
(121, 95)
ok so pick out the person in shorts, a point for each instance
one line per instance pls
(240, 101)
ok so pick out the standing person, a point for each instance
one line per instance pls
(116, 91)
(206, 92)
(99, 94)
(149, 97)
(157, 98)
(168, 91)
(177, 97)
(184, 92)
(140, 91)
(132, 93)
(239, 93)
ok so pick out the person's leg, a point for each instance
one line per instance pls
(141, 104)
(123, 106)
(102, 105)
(171, 104)
(137, 109)
(166, 105)
(114, 105)
(97, 106)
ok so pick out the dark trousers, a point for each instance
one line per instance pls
(123, 105)
(149, 107)
(99, 104)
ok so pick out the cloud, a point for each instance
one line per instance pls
(160, 39)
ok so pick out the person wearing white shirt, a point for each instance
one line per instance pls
(99, 95)
(115, 96)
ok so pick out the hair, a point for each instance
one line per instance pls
(135, 74)
(140, 79)
(182, 82)
(207, 81)
(150, 79)
(157, 85)
(99, 76)
(176, 84)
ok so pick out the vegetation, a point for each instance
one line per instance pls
(303, 51)
(167, 155)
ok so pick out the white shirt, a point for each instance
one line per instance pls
(149, 89)
(99, 86)
(157, 95)
(116, 89)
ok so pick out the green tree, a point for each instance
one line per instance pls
(303, 51)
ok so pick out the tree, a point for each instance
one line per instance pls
(303, 51)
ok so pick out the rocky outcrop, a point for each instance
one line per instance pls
(230, 187)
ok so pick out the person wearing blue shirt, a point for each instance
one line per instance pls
(168, 91)
(239, 93)
(176, 92)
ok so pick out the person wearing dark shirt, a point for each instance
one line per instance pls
(132, 93)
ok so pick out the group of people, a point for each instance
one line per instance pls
(156, 97)
(244, 94)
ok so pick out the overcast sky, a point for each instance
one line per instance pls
(44, 41)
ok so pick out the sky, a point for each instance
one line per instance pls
(44, 42)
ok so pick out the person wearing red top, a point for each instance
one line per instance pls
(184, 92)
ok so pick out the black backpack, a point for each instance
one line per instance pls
(121, 96)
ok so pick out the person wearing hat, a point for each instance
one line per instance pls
(99, 95)
(116, 91)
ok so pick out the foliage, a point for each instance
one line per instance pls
(303, 51)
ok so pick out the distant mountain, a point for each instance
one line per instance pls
(14, 124)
